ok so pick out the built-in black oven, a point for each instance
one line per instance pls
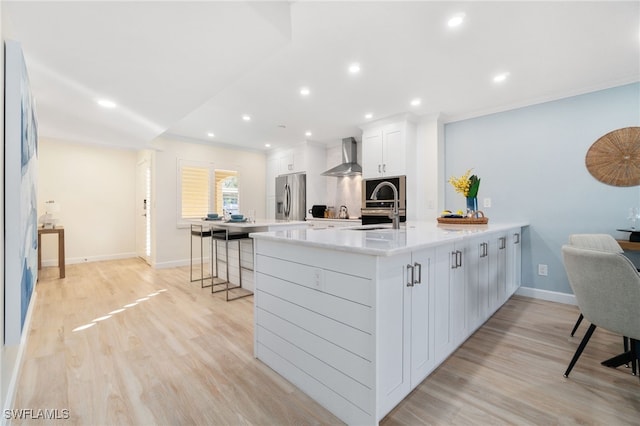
(377, 211)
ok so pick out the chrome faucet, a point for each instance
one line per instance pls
(394, 214)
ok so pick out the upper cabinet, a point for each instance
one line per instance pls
(282, 162)
(384, 149)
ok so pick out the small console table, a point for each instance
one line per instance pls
(629, 245)
(633, 243)
(57, 230)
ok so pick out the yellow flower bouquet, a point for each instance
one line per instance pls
(467, 184)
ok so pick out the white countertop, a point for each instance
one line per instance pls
(334, 219)
(383, 242)
(258, 223)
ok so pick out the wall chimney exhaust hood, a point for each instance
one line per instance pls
(349, 166)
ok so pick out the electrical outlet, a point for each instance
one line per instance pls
(487, 202)
(543, 270)
(317, 278)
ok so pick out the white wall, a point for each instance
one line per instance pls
(171, 242)
(95, 187)
(532, 165)
(429, 167)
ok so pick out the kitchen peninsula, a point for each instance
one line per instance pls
(358, 317)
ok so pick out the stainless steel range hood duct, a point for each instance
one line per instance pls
(349, 166)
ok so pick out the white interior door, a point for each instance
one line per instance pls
(143, 210)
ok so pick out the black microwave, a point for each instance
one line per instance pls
(377, 211)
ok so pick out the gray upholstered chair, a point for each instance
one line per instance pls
(601, 242)
(607, 289)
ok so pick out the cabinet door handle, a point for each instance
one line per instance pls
(419, 268)
(454, 260)
(384, 168)
(379, 168)
(411, 280)
(458, 258)
(516, 237)
(503, 242)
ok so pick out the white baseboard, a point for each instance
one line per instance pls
(72, 260)
(552, 296)
(174, 263)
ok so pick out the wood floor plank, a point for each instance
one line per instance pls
(161, 350)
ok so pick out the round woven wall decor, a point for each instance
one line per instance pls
(614, 159)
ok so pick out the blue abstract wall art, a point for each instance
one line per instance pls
(21, 177)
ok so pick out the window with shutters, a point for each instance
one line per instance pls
(203, 189)
(226, 188)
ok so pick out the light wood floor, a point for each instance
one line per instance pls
(184, 356)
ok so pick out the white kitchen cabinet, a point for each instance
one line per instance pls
(281, 162)
(356, 326)
(450, 297)
(477, 283)
(514, 260)
(422, 291)
(405, 305)
(488, 283)
(286, 162)
(497, 272)
(394, 330)
(384, 151)
(271, 207)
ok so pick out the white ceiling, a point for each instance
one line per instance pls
(188, 68)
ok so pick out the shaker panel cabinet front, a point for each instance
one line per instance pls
(514, 260)
(384, 152)
(393, 333)
(371, 153)
(450, 298)
(405, 335)
(497, 272)
(477, 283)
(421, 289)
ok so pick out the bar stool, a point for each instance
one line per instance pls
(198, 231)
(226, 236)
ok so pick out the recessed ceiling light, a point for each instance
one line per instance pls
(307, 133)
(416, 102)
(267, 145)
(210, 134)
(368, 115)
(304, 91)
(456, 20)
(106, 103)
(246, 117)
(499, 78)
(354, 68)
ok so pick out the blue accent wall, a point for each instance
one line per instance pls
(532, 164)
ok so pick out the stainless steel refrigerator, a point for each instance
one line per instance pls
(291, 196)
